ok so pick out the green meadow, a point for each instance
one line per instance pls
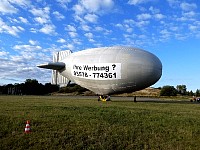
(68, 123)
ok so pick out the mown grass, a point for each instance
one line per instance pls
(63, 123)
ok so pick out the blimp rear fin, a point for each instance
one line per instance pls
(53, 65)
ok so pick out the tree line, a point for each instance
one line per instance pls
(33, 87)
(30, 87)
(179, 90)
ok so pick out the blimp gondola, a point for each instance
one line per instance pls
(107, 70)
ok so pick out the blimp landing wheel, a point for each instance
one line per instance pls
(104, 98)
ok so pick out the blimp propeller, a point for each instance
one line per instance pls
(107, 70)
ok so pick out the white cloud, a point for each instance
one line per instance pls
(41, 14)
(129, 21)
(125, 27)
(23, 20)
(187, 16)
(143, 16)
(76, 41)
(92, 8)
(7, 6)
(70, 46)
(72, 34)
(27, 47)
(159, 16)
(33, 42)
(89, 35)
(58, 15)
(173, 3)
(79, 19)
(129, 30)
(20, 59)
(61, 40)
(154, 10)
(136, 2)
(193, 28)
(92, 40)
(188, 6)
(33, 30)
(19, 28)
(102, 30)
(41, 20)
(96, 6)
(85, 27)
(13, 20)
(21, 3)
(165, 34)
(119, 26)
(3, 53)
(129, 25)
(79, 9)
(190, 14)
(142, 36)
(12, 30)
(70, 28)
(20, 67)
(173, 28)
(98, 28)
(142, 24)
(64, 3)
(180, 36)
(164, 31)
(91, 18)
(48, 29)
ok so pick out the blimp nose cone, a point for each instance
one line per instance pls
(109, 70)
(145, 69)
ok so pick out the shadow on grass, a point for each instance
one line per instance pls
(131, 99)
(151, 100)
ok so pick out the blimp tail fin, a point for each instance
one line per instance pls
(56, 78)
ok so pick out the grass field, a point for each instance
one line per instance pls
(64, 123)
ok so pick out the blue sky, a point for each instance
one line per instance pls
(30, 31)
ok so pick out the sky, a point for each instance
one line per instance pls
(32, 30)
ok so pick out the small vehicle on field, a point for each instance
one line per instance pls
(198, 99)
(195, 99)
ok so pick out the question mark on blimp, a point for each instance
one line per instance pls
(114, 66)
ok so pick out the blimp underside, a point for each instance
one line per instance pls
(110, 70)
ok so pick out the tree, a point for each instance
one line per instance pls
(49, 88)
(168, 91)
(30, 87)
(72, 88)
(197, 92)
(191, 93)
(181, 89)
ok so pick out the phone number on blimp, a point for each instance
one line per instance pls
(95, 75)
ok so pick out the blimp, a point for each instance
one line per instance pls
(106, 70)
